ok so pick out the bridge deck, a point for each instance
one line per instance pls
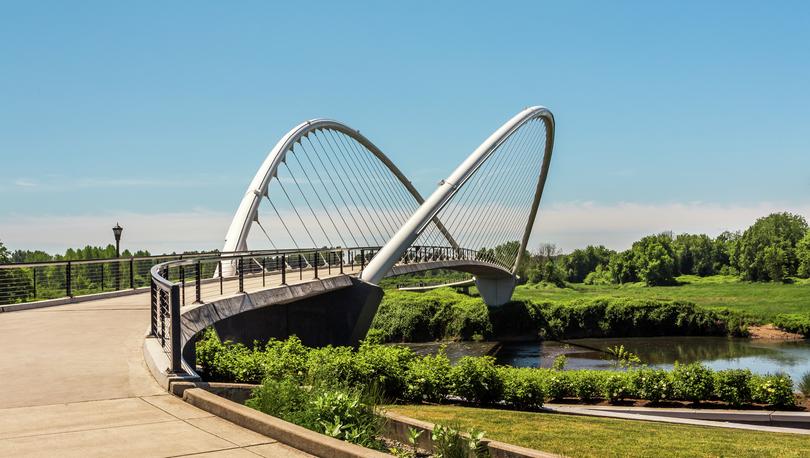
(74, 383)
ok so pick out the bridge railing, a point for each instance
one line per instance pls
(203, 278)
(194, 280)
(38, 281)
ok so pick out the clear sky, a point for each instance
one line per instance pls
(684, 116)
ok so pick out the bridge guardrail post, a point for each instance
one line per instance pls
(153, 303)
(241, 268)
(283, 269)
(301, 266)
(362, 259)
(183, 283)
(341, 262)
(264, 270)
(175, 328)
(315, 264)
(220, 276)
(198, 283)
(68, 289)
(131, 273)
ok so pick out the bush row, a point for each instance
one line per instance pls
(445, 314)
(794, 322)
(400, 375)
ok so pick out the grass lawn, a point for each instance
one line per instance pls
(578, 436)
(759, 300)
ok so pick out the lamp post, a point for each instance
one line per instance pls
(117, 230)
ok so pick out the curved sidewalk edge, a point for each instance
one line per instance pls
(158, 363)
(293, 435)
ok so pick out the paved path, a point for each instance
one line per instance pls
(74, 383)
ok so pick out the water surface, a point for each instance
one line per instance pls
(760, 356)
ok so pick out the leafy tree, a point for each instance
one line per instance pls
(5, 256)
(546, 265)
(580, 262)
(725, 245)
(803, 256)
(654, 259)
(767, 250)
(694, 254)
(623, 268)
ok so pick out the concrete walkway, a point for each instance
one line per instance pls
(73, 383)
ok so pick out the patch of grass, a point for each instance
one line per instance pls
(760, 301)
(578, 436)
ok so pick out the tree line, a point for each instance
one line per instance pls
(775, 248)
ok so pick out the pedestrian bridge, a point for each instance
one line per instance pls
(325, 219)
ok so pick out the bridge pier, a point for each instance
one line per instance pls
(339, 317)
(495, 290)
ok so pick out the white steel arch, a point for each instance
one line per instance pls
(389, 254)
(247, 212)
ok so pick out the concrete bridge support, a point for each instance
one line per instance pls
(495, 291)
(337, 317)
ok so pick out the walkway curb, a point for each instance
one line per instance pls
(293, 435)
(71, 300)
(398, 426)
(744, 416)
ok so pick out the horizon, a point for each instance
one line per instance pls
(688, 118)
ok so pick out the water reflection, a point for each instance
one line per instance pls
(761, 356)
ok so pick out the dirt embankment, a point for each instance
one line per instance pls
(769, 331)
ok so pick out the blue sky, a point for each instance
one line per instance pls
(683, 116)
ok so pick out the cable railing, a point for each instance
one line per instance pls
(195, 280)
(38, 281)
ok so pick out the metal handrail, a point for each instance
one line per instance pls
(168, 297)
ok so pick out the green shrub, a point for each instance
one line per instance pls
(428, 378)
(336, 366)
(285, 358)
(652, 384)
(384, 366)
(433, 315)
(774, 390)
(444, 314)
(522, 387)
(794, 322)
(346, 414)
(586, 384)
(616, 386)
(449, 442)
(285, 399)
(559, 362)
(476, 379)
(733, 386)
(229, 361)
(804, 384)
(692, 382)
(557, 384)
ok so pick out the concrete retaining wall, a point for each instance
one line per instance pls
(293, 435)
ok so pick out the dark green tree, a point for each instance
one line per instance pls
(622, 267)
(803, 256)
(654, 259)
(580, 262)
(694, 254)
(767, 250)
